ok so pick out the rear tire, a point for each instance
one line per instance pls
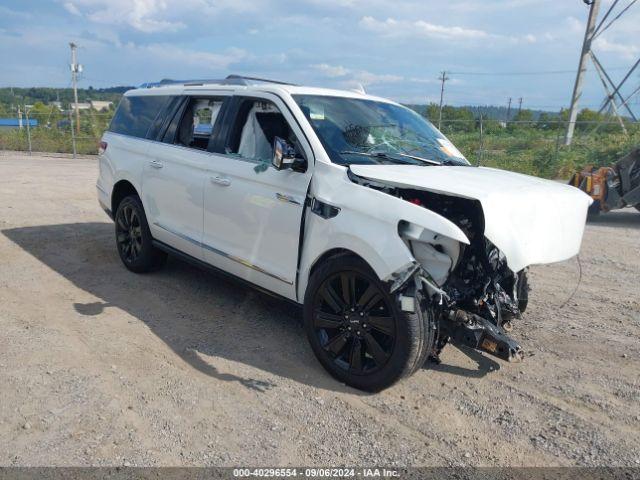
(358, 331)
(133, 237)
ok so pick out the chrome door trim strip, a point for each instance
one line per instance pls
(246, 263)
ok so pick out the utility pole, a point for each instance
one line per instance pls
(75, 69)
(582, 67)
(443, 78)
(519, 106)
(508, 111)
(26, 114)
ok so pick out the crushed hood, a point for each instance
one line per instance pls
(531, 220)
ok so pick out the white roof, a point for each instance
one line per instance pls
(183, 89)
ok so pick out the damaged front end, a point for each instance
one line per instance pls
(471, 292)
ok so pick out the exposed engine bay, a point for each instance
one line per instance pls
(470, 291)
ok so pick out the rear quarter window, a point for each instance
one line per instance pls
(135, 115)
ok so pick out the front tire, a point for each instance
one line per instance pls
(358, 331)
(133, 237)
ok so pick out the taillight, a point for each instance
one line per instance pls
(102, 148)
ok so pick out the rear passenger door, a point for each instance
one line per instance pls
(253, 212)
(174, 177)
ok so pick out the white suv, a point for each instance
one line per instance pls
(353, 206)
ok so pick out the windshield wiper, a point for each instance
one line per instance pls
(389, 156)
(432, 162)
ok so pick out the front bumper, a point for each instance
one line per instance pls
(469, 330)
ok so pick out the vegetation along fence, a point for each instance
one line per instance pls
(524, 145)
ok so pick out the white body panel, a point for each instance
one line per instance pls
(366, 225)
(529, 219)
(124, 162)
(218, 209)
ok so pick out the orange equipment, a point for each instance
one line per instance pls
(613, 187)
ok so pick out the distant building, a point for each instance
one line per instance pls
(13, 123)
(100, 104)
(81, 106)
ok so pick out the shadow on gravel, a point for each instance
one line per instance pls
(485, 365)
(628, 218)
(201, 316)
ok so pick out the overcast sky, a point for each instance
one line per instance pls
(393, 48)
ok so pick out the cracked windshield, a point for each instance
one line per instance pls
(356, 131)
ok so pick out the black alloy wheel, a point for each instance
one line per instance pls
(128, 233)
(133, 237)
(354, 323)
(357, 329)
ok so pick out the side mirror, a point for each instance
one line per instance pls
(284, 154)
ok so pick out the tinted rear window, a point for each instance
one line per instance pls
(136, 114)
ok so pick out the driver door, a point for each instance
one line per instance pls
(253, 212)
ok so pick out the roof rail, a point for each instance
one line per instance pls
(167, 81)
(256, 79)
(229, 80)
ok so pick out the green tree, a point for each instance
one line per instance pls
(548, 121)
(523, 120)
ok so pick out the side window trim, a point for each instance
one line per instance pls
(169, 134)
(164, 118)
(218, 140)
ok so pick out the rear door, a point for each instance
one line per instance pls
(174, 177)
(253, 212)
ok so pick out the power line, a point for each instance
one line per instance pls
(601, 31)
(524, 73)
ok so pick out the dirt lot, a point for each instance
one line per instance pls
(99, 366)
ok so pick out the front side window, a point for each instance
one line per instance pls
(135, 114)
(255, 128)
(354, 130)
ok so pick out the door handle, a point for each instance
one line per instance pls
(223, 181)
(156, 164)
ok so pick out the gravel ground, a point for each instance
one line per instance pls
(99, 366)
